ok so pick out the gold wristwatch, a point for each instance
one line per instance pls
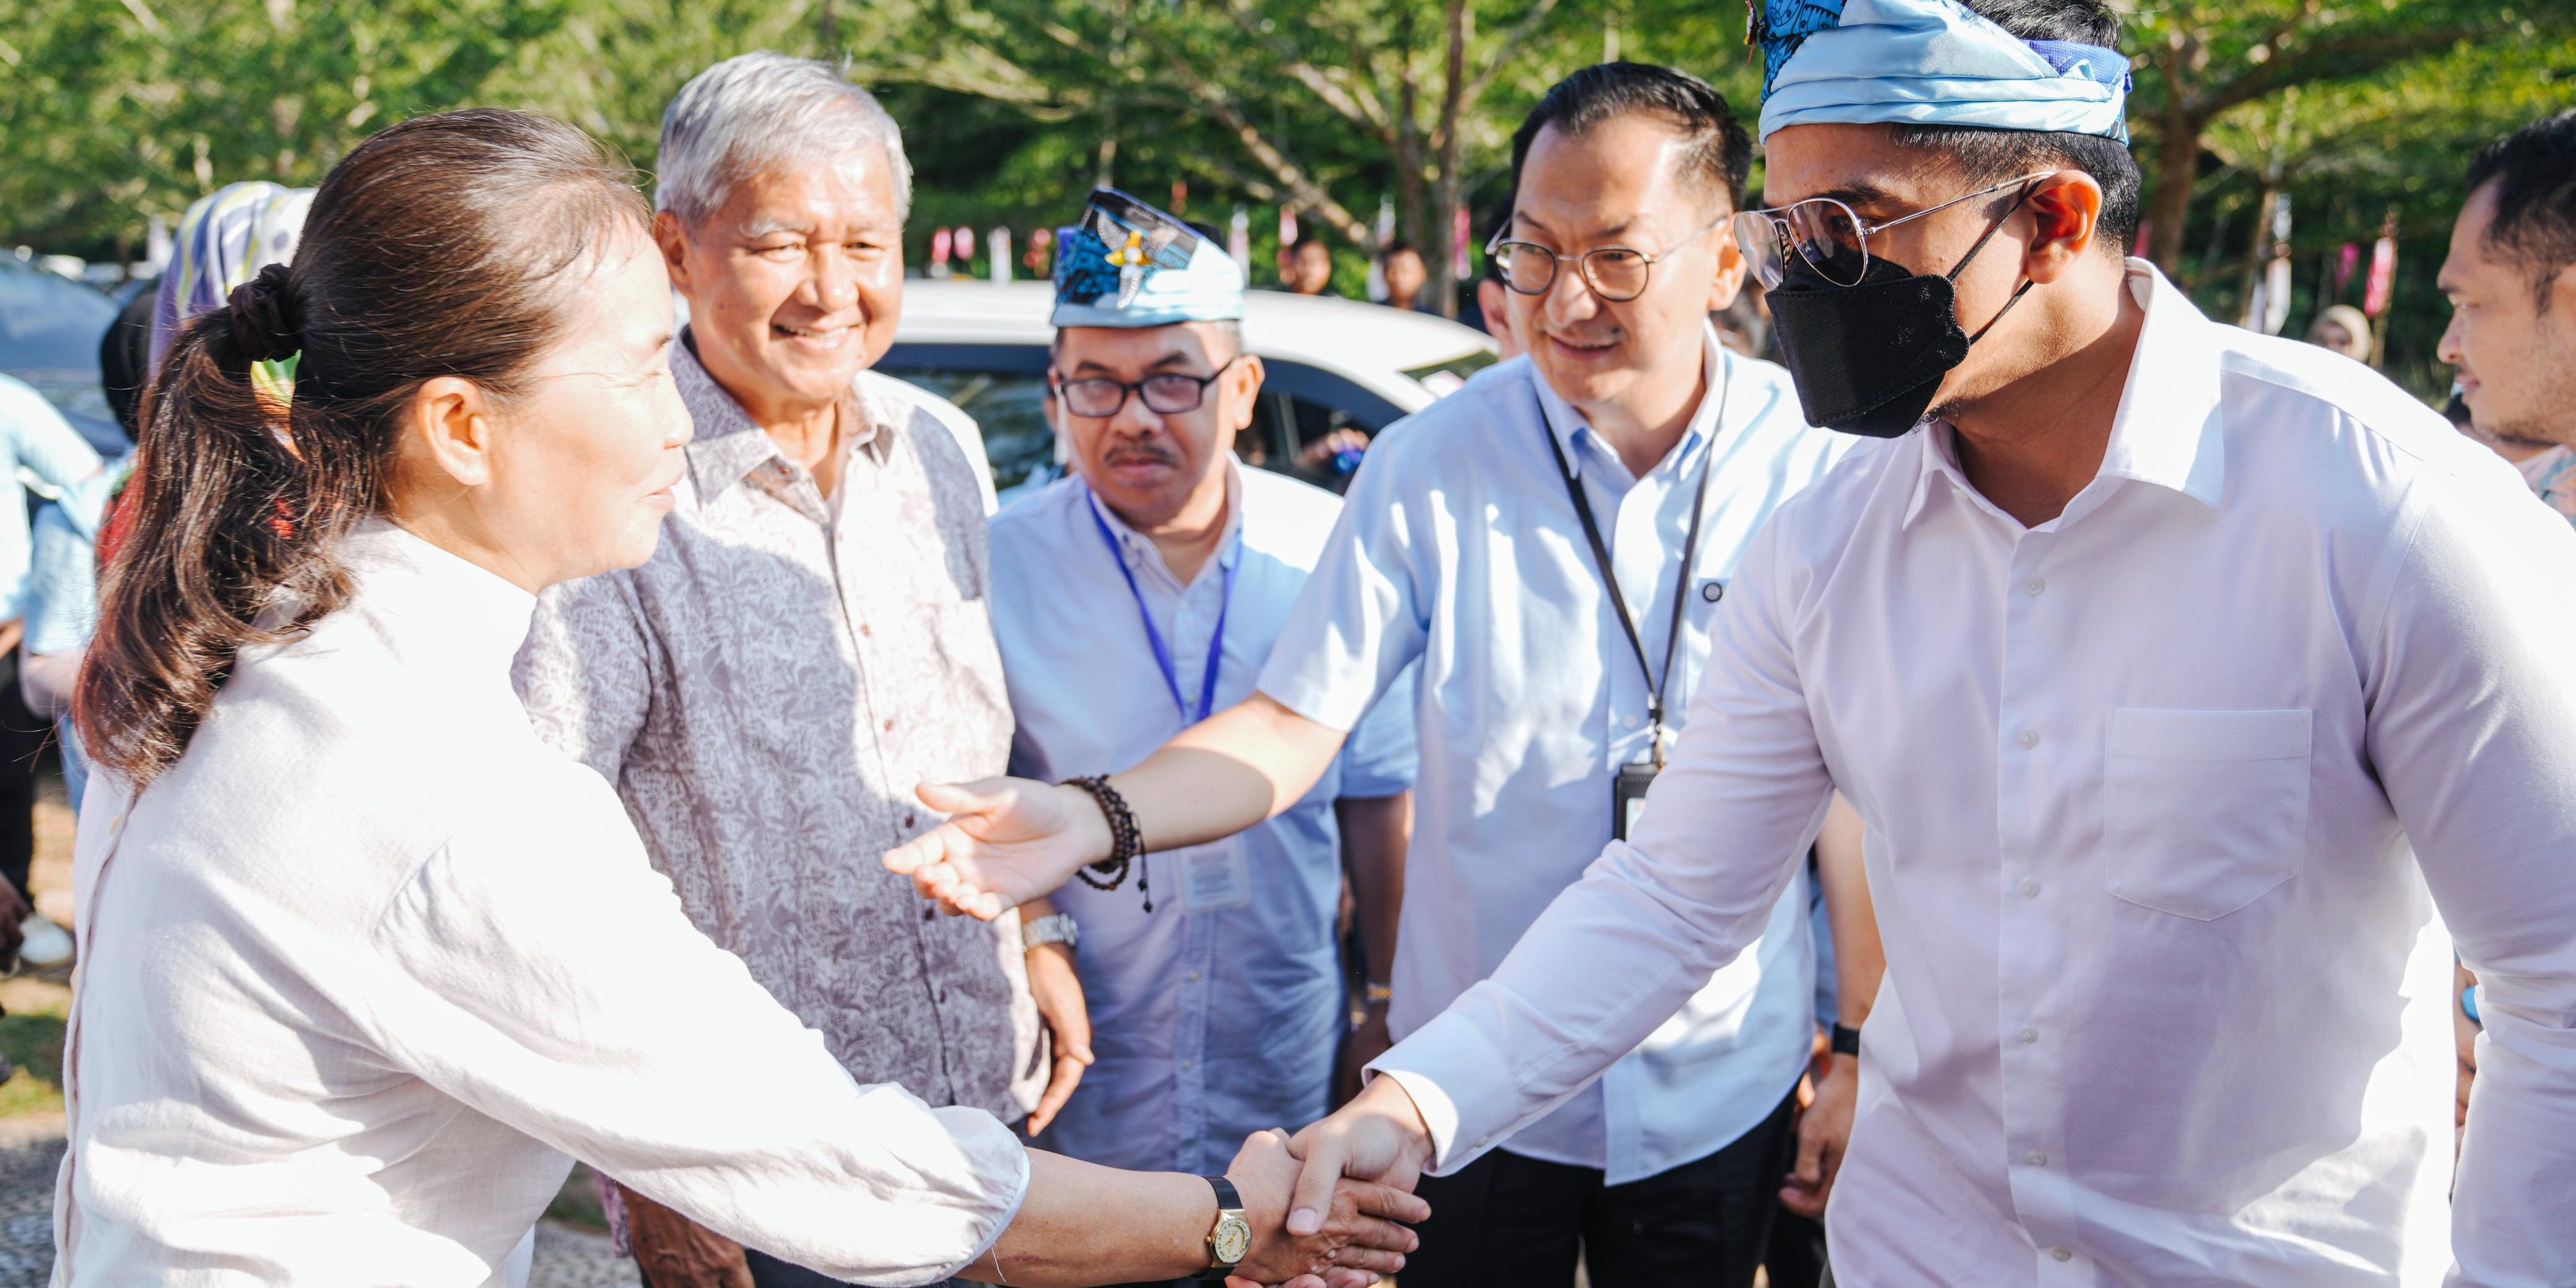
(1230, 1240)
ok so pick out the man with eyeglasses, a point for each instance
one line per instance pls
(1130, 600)
(2198, 688)
(1549, 544)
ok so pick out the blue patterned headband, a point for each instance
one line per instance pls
(1928, 62)
(1126, 264)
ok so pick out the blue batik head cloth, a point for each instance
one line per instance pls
(1126, 264)
(1929, 62)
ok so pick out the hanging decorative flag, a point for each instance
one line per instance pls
(1238, 238)
(2276, 295)
(965, 242)
(939, 253)
(1040, 260)
(1001, 244)
(1287, 228)
(1458, 265)
(2383, 271)
(2346, 261)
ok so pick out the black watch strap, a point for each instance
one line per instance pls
(1228, 1199)
(1846, 1040)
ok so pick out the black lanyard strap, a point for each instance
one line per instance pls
(1610, 576)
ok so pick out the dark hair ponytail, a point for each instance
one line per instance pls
(436, 248)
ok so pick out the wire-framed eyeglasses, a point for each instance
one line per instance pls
(1168, 394)
(1615, 273)
(1827, 234)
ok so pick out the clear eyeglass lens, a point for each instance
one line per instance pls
(1826, 234)
(1171, 395)
(1618, 274)
(1526, 268)
(1094, 397)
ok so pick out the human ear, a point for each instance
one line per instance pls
(674, 241)
(1242, 387)
(1728, 281)
(450, 427)
(2065, 210)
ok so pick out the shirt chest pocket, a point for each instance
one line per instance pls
(2203, 812)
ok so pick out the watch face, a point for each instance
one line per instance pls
(1233, 1238)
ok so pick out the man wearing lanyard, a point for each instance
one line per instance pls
(1549, 544)
(1129, 601)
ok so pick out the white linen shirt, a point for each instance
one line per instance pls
(2155, 791)
(1207, 1025)
(362, 967)
(1459, 547)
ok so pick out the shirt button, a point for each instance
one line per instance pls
(1193, 977)
(2028, 738)
(2038, 1159)
(907, 822)
(2029, 888)
(1630, 721)
(2062, 1254)
(2033, 586)
(2028, 1036)
(1189, 1064)
(889, 724)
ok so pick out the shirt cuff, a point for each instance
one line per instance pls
(1447, 1066)
(1315, 702)
(1011, 1213)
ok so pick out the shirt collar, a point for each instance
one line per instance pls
(453, 613)
(1139, 550)
(1572, 431)
(729, 445)
(2169, 431)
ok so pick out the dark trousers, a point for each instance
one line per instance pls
(22, 741)
(770, 1272)
(1505, 1221)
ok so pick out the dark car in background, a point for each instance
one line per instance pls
(50, 329)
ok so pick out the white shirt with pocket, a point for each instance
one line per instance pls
(2170, 799)
(364, 966)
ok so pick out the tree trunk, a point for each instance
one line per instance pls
(2177, 166)
(1441, 244)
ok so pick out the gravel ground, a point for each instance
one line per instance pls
(31, 1149)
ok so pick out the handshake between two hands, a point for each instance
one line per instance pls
(1324, 1203)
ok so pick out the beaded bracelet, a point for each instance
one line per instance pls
(1125, 842)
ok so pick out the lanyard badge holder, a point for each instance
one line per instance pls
(1214, 877)
(1628, 787)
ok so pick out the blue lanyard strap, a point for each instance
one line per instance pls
(1154, 634)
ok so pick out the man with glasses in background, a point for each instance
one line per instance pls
(1549, 543)
(1130, 600)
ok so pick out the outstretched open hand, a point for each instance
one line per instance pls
(1006, 841)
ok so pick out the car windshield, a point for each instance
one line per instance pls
(48, 324)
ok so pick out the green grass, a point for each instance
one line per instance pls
(32, 1038)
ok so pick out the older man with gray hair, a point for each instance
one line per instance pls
(812, 638)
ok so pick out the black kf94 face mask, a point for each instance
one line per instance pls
(1867, 358)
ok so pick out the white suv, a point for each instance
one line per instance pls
(1332, 364)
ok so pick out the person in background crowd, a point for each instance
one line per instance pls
(2343, 329)
(1551, 544)
(62, 574)
(2511, 279)
(363, 958)
(1307, 267)
(2199, 690)
(812, 637)
(225, 238)
(1405, 274)
(1130, 600)
(35, 443)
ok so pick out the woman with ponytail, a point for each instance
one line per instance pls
(362, 960)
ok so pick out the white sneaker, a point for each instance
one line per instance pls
(47, 944)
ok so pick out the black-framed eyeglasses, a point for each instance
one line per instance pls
(1615, 273)
(1168, 394)
(1827, 234)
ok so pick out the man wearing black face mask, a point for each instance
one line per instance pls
(2180, 675)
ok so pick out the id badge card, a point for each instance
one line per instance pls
(1628, 798)
(1214, 877)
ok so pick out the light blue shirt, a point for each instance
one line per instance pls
(35, 443)
(61, 598)
(1207, 1025)
(1460, 550)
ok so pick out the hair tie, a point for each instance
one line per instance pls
(267, 324)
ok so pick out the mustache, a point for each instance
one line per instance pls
(1141, 454)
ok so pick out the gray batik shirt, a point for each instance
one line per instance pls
(766, 691)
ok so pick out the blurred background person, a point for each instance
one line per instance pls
(36, 444)
(226, 237)
(1307, 267)
(1402, 269)
(2344, 329)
